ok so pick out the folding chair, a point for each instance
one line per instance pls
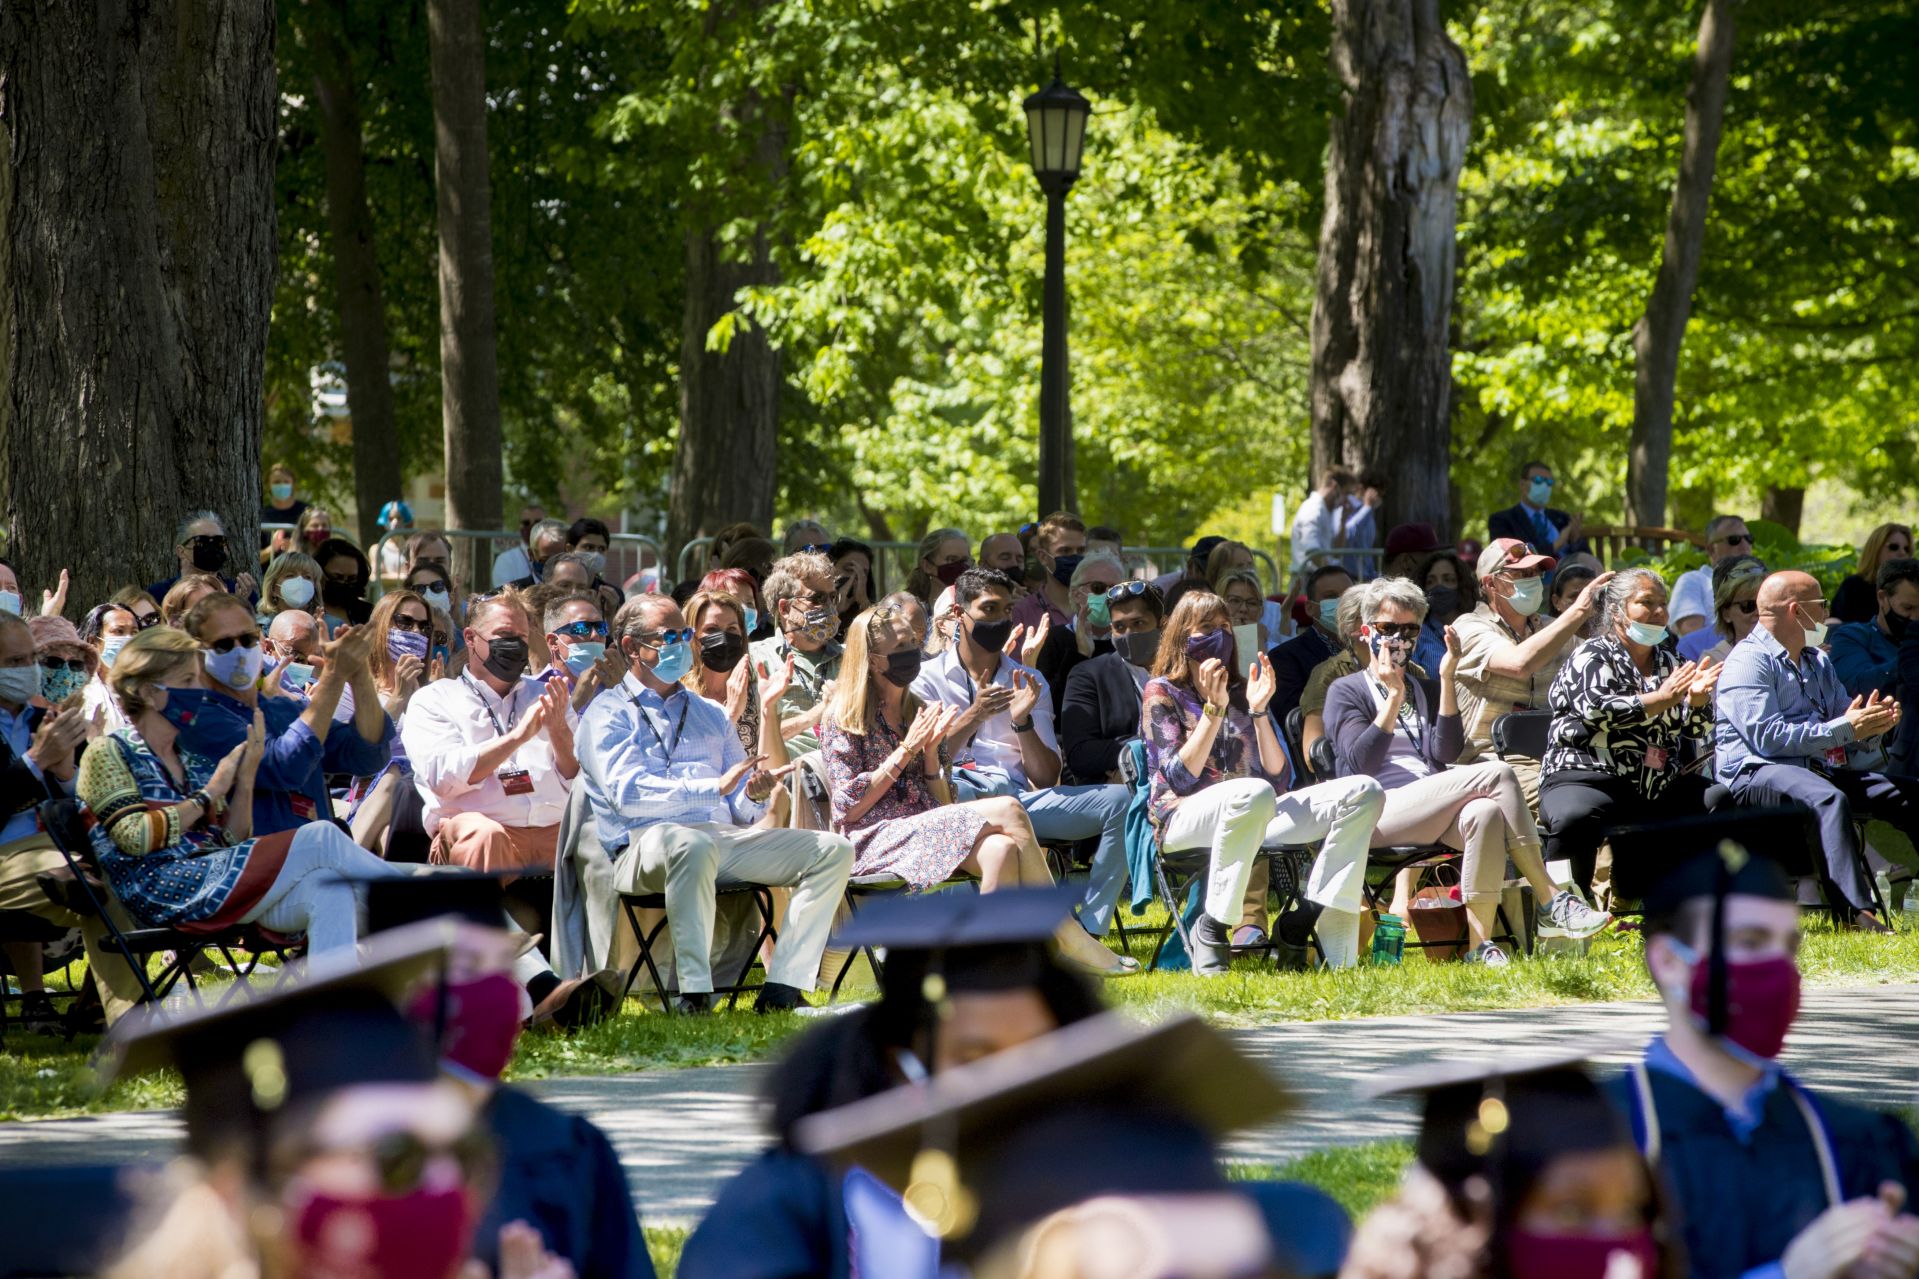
(1175, 876)
(67, 824)
(1383, 866)
(634, 903)
(1522, 733)
(881, 884)
(25, 926)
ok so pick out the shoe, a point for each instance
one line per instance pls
(1212, 947)
(776, 998)
(1566, 916)
(695, 1004)
(38, 1016)
(1867, 922)
(572, 1004)
(1249, 937)
(1486, 953)
(1081, 950)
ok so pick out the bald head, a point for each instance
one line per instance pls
(294, 633)
(1780, 591)
(1792, 609)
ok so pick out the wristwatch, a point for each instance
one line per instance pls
(1025, 726)
(1214, 712)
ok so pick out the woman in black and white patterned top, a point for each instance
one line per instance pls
(1623, 708)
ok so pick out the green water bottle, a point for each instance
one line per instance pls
(1389, 939)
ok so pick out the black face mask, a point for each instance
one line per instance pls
(992, 636)
(721, 651)
(210, 557)
(1139, 648)
(340, 594)
(903, 667)
(505, 658)
(1897, 625)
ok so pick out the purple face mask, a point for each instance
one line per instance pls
(1213, 644)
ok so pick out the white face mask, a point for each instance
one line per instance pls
(1642, 633)
(1528, 594)
(20, 684)
(297, 591)
(436, 597)
(1815, 633)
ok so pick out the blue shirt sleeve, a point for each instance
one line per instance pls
(348, 752)
(1857, 662)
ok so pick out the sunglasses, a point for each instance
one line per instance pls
(206, 539)
(418, 625)
(1547, 480)
(821, 547)
(227, 645)
(1748, 607)
(352, 579)
(1126, 591)
(682, 636)
(146, 621)
(400, 1159)
(1396, 630)
(1738, 539)
(63, 664)
(583, 630)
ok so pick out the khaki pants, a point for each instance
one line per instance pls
(21, 862)
(477, 842)
(1476, 808)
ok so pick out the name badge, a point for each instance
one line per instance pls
(303, 807)
(516, 781)
(1656, 758)
(1836, 757)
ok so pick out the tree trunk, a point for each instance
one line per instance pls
(1784, 506)
(1657, 337)
(357, 294)
(469, 350)
(1381, 378)
(137, 256)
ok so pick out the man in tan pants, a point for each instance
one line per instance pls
(22, 862)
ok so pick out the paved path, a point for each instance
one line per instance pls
(681, 1132)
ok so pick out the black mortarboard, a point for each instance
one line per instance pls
(982, 1150)
(976, 941)
(328, 1023)
(474, 896)
(1751, 852)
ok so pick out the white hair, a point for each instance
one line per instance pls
(1399, 591)
(1085, 567)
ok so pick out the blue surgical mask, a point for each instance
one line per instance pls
(676, 659)
(1329, 614)
(1642, 633)
(298, 676)
(581, 654)
(1528, 594)
(110, 648)
(20, 684)
(752, 619)
(281, 492)
(10, 602)
(1539, 492)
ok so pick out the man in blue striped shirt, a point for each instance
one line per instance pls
(674, 797)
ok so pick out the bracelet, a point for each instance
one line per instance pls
(1024, 727)
(1214, 712)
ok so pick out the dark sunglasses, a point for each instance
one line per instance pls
(1748, 607)
(206, 539)
(352, 579)
(821, 547)
(400, 1159)
(662, 638)
(1396, 630)
(63, 664)
(419, 626)
(583, 630)
(146, 621)
(1738, 539)
(1127, 590)
(227, 645)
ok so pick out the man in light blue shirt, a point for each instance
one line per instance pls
(1785, 733)
(673, 795)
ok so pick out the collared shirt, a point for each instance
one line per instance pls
(1485, 696)
(1692, 596)
(995, 745)
(18, 732)
(1313, 527)
(450, 723)
(511, 565)
(291, 788)
(811, 673)
(647, 759)
(1866, 658)
(1770, 709)
(1744, 1115)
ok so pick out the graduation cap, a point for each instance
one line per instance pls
(474, 896)
(982, 1150)
(329, 1023)
(1710, 857)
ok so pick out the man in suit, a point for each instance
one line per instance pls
(1100, 711)
(1553, 531)
(1294, 659)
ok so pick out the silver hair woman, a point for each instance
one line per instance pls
(1096, 574)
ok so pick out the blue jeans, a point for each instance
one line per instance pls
(1082, 812)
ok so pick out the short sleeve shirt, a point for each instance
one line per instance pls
(1484, 696)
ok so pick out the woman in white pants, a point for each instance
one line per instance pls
(1219, 782)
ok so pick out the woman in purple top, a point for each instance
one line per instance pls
(1404, 733)
(1219, 780)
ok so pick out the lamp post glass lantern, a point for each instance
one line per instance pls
(1056, 130)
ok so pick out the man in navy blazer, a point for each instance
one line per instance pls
(1552, 531)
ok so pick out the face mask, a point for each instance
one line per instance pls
(1539, 494)
(505, 658)
(950, 573)
(340, 594)
(110, 648)
(1098, 611)
(818, 626)
(58, 686)
(903, 667)
(1139, 648)
(1063, 567)
(405, 644)
(281, 492)
(422, 1234)
(315, 536)
(210, 557)
(1534, 1256)
(298, 676)
(581, 654)
(992, 636)
(1642, 633)
(182, 708)
(721, 651)
(20, 684)
(1896, 624)
(1815, 633)
(676, 659)
(237, 668)
(752, 620)
(1441, 600)
(437, 597)
(1762, 999)
(1397, 651)
(1329, 614)
(297, 592)
(1528, 594)
(1217, 645)
(595, 562)
(480, 1023)
(10, 602)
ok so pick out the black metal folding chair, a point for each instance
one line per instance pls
(634, 903)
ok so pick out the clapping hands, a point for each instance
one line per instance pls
(1872, 716)
(1261, 686)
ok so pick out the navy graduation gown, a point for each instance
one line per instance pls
(1740, 1202)
(780, 1217)
(558, 1173)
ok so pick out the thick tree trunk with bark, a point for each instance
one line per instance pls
(469, 344)
(357, 295)
(1381, 378)
(137, 255)
(1784, 506)
(1657, 337)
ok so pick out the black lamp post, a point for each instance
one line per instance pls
(1056, 128)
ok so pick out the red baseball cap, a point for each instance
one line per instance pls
(1510, 552)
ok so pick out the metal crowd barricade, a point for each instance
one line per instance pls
(1154, 560)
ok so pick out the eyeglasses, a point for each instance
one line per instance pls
(1748, 607)
(351, 579)
(74, 664)
(418, 625)
(1396, 630)
(146, 620)
(583, 630)
(1092, 590)
(1126, 591)
(662, 638)
(227, 645)
(821, 547)
(1737, 539)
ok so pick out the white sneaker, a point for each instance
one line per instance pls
(1487, 953)
(1566, 916)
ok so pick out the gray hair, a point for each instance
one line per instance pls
(800, 571)
(1084, 570)
(1398, 591)
(546, 530)
(636, 616)
(1346, 616)
(191, 518)
(555, 616)
(1616, 594)
(570, 557)
(799, 533)
(1719, 524)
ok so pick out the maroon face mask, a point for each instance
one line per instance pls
(1762, 1000)
(422, 1234)
(482, 1022)
(950, 573)
(1535, 1256)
